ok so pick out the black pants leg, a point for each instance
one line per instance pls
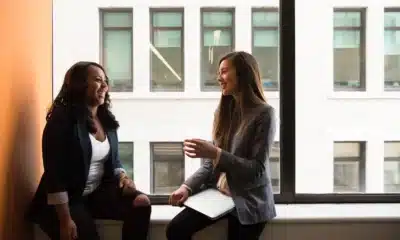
(108, 202)
(83, 220)
(184, 225)
(238, 231)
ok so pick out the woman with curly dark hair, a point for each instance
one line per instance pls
(83, 177)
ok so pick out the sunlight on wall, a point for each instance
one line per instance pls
(25, 91)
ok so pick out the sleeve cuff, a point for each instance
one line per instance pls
(57, 198)
(187, 187)
(118, 171)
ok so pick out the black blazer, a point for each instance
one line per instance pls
(67, 152)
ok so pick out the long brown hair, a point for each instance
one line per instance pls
(229, 113)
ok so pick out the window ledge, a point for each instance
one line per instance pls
(304, 213)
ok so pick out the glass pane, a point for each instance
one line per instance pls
(348, 167)
(167, 61)
(268, 61)
(216, 43)
(392, 60)
(392, 150)
(167, 19)
(125, 150)
(346, 177)
(392, 176)
(117, 19)
(347, 19)
(217, 38)
(265, 19)
(392, 167)
(266, 51)
(392, 19)
(346, 150)
(167, 38)
(118, 59)
(266, 38)
(347, 60)
(346, 39)
(217, 19)
(210, 57)
(168, 167)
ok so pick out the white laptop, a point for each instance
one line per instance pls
(211, 203)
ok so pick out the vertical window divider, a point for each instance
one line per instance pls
(287, 94)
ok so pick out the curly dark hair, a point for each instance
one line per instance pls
(73, 97)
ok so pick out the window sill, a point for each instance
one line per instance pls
(304, 213)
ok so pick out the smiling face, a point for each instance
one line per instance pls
(97, 86)
(227, 78)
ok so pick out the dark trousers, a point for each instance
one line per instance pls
(188, 222)
(107, 202)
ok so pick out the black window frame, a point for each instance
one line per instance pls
(389, 159)
(361, 160)
(232, 11)
(160, 198)
(102, 13)
(394, 29)
(287, 130)
(362, 48)
(269, 28)
(181, 10)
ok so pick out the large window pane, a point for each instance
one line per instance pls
(392, 167)
(217, 40)
(168, 169)
(117, 49)
(349, 167)
(348, 46)
(167, 51)
(265, 46)
(392, 50)
(126, 157)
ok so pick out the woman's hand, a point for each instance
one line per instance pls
(127, 185)
(68, 230)
(198, 148)
(179, 196)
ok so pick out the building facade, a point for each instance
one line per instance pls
(162, 57)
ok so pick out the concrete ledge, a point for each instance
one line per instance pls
(162, 214)
(308, 212)
(298, 213)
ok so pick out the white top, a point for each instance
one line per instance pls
(100, 151)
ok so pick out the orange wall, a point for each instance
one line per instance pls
(25, 92)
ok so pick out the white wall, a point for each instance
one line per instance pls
(322, 115)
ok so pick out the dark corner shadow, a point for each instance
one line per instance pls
(21, 173)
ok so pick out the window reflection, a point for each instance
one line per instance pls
(167, 50)
(217, 40)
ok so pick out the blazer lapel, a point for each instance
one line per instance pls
(112, 139)
(83, 135)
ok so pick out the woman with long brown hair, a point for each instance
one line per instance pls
(236, 162)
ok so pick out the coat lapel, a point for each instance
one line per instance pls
(83, 135)
(112, 139)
